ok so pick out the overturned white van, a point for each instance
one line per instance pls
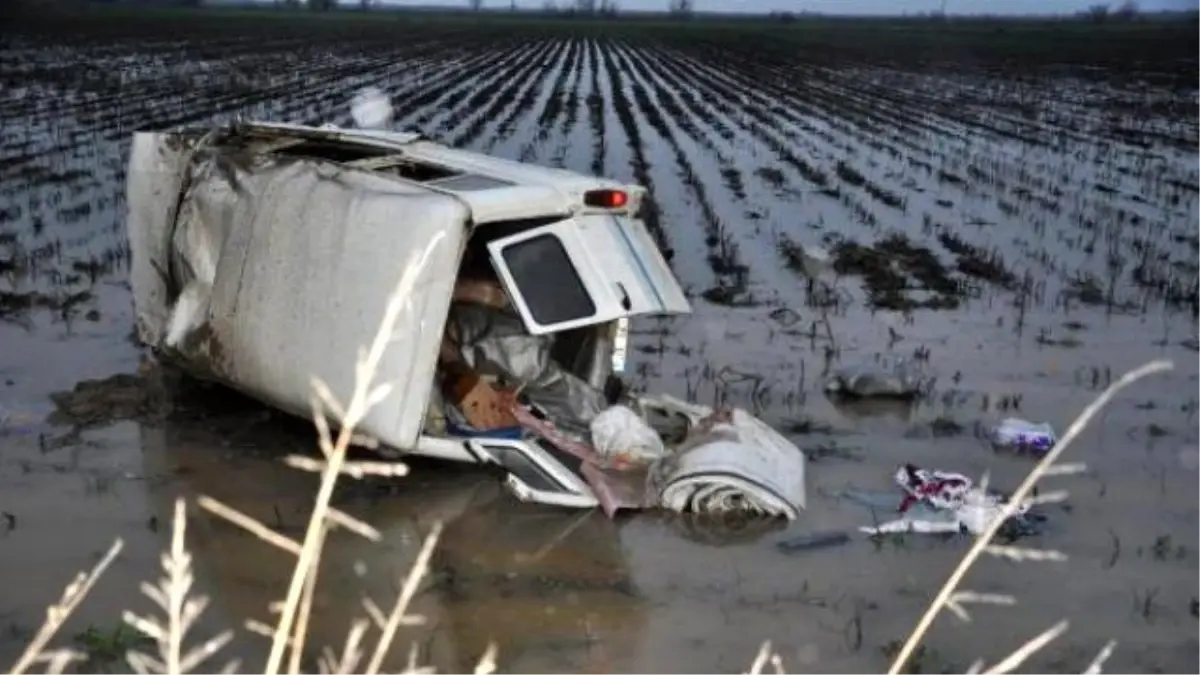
(263, 253)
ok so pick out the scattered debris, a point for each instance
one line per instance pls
(901, 381)
(729, 462)
(732, 462)
(621, 436)
(1046, 338)
(813, 541)
(944, 502)
(1020, 436)
(785, 316)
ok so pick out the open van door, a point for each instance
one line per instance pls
(585, 270)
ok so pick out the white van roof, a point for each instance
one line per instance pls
(495, 189)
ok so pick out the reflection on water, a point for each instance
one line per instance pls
(860, 409)
(722, 530)
(551, 586)
(565, 590)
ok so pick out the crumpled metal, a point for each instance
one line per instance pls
(730, 462)
(265, 272)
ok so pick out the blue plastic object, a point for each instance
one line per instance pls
(813, 541)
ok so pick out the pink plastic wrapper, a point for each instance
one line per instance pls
(617, 486)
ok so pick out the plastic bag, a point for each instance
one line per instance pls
(371, 109)
(1022, 436)
(620, 435)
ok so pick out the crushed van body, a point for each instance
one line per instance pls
(264, 254)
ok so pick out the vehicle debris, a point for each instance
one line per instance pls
(731, 461)
(934, 501)
(728, 462)
(529, 277)
(621, 435)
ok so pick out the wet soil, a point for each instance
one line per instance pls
(971, 239)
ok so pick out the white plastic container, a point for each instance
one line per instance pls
(1023, 436)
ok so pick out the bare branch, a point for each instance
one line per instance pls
(1015, 659)
(57, 614)
(365, 369)
(407, 591)
(249, 524)
(1097, 665)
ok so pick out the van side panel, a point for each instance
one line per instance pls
(154, 182)
(295, 262)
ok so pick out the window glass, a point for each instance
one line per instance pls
(547, 280)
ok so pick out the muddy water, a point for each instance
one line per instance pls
(573, 591)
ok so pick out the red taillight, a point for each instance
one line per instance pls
(606, 199)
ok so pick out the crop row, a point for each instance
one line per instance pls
(935, 189)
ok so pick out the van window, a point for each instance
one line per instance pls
(548, 282)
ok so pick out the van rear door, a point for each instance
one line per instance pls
(585, 270)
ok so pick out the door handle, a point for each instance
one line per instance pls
(626, 304)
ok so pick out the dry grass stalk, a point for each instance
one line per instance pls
(1097, 665)
(294, 612)
(766, 655)
(1065, 469)
(352, 654)
(355, 469)
(407, 591)
(249, 524)
(171, 595)
(956, 602)
(1015, 659)
(983, 542)
(361, 401)
(324, 517)
(487, 662)
(1022, 554)
(290, 632)
(57, 615)
(301, 632)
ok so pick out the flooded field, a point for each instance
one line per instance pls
(1013, 207)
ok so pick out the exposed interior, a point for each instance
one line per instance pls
(551, 288)
(548, 283)
(488, 356)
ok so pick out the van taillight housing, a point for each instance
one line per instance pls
(606, 199)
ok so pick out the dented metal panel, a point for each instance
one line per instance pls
(278, 270)
(153, 185)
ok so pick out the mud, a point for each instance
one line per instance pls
(1025, 236)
